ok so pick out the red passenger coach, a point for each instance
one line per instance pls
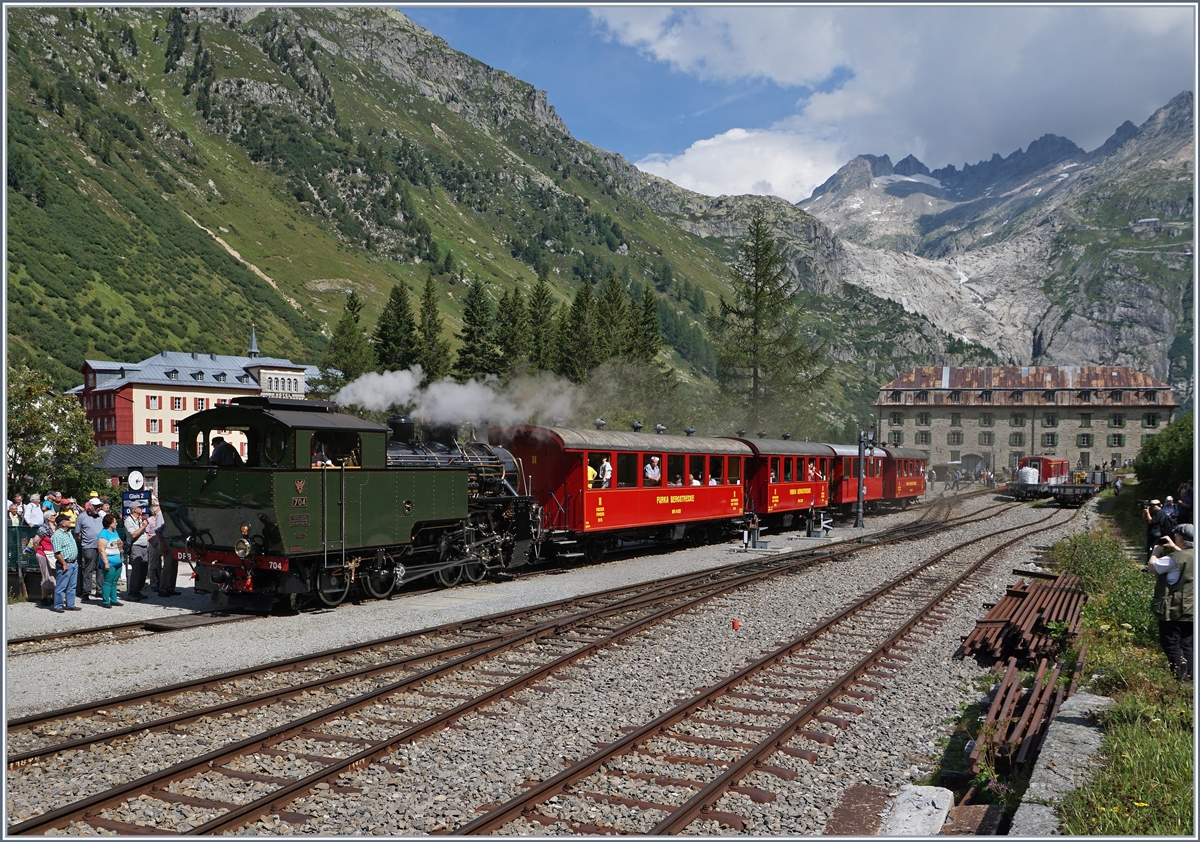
(787, 480)
(597, 488)
(843, 484)
(904, 471)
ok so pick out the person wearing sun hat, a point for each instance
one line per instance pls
(88, 524)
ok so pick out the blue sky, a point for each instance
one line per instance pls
(737, 99)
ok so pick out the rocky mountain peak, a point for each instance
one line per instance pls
(910, 166)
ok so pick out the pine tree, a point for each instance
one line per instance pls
(579, 344)
(512, 329)
(348, 354)
(478, 355)
(762, 356)
(614, 320)
(396, 334)
(543, 335)
(646, 336)
(433, 350)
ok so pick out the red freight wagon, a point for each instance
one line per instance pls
(843, 483)
(904, 471)
(1051, 470)
(597, 487)
(787, 480)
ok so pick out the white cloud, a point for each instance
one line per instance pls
(951, 85)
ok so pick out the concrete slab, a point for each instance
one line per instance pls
(859, 812)
(918, 811)
(1066, 759)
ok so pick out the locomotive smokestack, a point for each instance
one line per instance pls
(403, 428)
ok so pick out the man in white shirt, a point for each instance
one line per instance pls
(33, 511)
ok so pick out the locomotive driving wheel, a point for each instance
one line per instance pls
(448, 577)
(379, 583)
(331, 586)
(474, 573)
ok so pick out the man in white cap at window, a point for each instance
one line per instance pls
(87, 529)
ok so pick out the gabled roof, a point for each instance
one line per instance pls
(117, 459)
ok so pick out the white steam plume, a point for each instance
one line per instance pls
(526, 399)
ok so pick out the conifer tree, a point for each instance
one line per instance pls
(396, 334)
(478, 355)
(543, 334)
(512, 329)
(348, 354)
(646, 337)
(762, 355)
(433, 350)
(579, 344)
(614, 320)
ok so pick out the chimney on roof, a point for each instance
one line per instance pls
(212, 356)
(193, 355)
(252, 351)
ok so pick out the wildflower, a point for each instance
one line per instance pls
(1140, 804)
(1126, 626)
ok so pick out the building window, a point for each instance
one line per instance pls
(197, 375)
(1151, 396)
(220, 377)
(954, 437)
(1017, 420)
(1048, 396)
(1116, 440)
(1084, 440)
(1085, 396)
(985, 397)
(987, 419)
(1146, 437)
(173, 374)
(896, 437)
(1085, 419)
(956, 396)
(1116, 460)
(894, 396)
(987, 439)
(1150, 419)
(174, 445)
(955, 419)
(1086, 459)
(896, 419)
(152, 425)
(200, 404)
(153, 402)
(1116, 396)
(1049, 439)
(1116, 420)
(924, 437)
(955, 455)
(1050, 419)
(923, 397)
(923, 419)
(1016, 397)
(177, 404)
(174, 426)
(1016, 439)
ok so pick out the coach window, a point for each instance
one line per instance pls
(787, 469)
(735, 470)
(774, 469)
(651, 470)
(695, 471)
(596, 463)
(716, 470)
(627, 470)
(675, 474)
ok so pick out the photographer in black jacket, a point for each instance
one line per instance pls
(1158, 523)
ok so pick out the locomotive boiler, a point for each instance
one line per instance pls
(323, 501)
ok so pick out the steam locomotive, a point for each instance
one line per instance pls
(323, 500)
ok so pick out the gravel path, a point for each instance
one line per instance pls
(445, 779)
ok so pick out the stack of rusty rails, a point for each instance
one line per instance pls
(1019, 624)
(1018, 717)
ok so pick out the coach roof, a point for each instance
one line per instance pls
(648, 442)
(785, 447)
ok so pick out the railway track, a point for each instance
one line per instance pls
(43, 644)
(434, 678)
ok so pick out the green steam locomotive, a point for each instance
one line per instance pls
(315, 502)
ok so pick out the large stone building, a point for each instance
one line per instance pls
(988, 418)
(143, 403)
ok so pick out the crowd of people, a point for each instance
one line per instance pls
(81, 554)
(1170, 541)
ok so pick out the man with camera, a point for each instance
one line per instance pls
(1171, 562)
(1158, 522)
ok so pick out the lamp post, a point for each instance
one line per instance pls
(866, 446)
